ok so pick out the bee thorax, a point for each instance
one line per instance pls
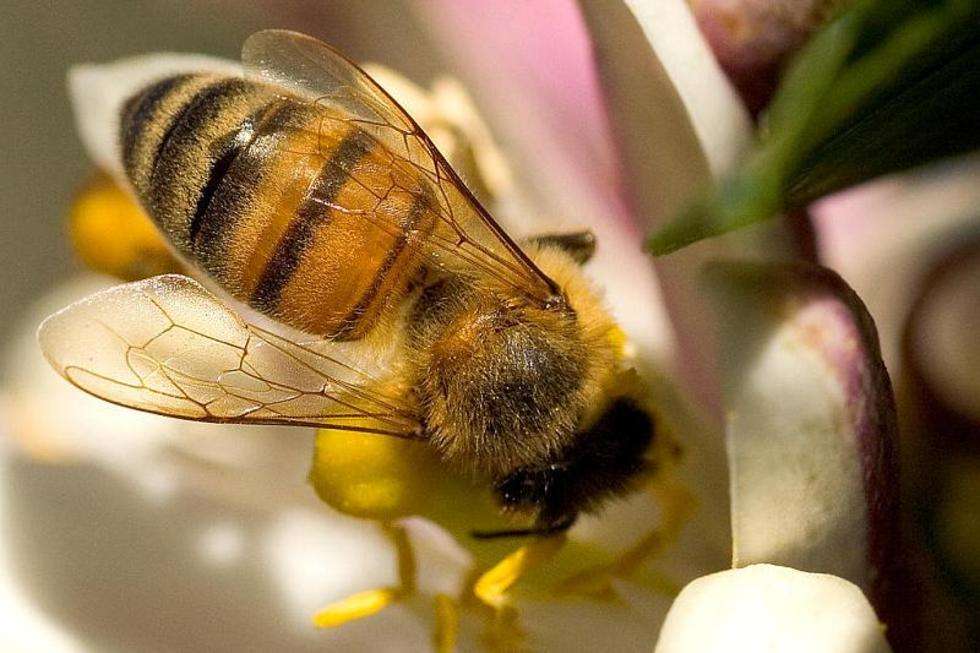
(501, 386)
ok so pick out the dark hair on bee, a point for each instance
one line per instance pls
(601, 463)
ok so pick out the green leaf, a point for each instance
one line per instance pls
(886, 86)
(935, 117)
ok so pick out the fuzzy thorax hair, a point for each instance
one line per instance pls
(504, 384)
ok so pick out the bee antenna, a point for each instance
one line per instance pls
(553, 528)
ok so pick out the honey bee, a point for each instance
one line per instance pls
(302, 190)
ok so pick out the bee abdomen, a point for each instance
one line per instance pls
(292, 213)
(177, 139)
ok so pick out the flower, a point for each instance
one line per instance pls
(623, 114)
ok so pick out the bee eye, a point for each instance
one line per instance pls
(528, 487)
(521, 488)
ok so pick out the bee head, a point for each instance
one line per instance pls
(601, 462)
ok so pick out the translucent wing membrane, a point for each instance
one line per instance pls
(166, 345)
(466, 233)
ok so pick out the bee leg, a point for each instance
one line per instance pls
(369, 602)
(491, 588)
(580, 245)
(677, 504)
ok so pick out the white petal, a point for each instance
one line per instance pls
(810, 423)
(678, 119)
(770, 608)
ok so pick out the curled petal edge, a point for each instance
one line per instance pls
(810, 425)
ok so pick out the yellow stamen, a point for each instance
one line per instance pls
(619, 341)
(505, 632)
(491, 587)
(406, 558)
(447, 624)
(356, 606)
(112, 234)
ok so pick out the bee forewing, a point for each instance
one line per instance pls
(310, 68)
(349, 95)
(165, 345)
(115, 343)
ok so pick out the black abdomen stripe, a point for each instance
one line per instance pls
(188, 150)
(217, 173)
(422, 205)
(235, 145)
(310, 216)
(139, 112)
(141, 116)
(248, 185)
(233, 197)
(189, 118)
(177, 137)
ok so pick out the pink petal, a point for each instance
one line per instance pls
(678, 125)
(882, 237)
(615, 120)
(530, 67)
(942, 350)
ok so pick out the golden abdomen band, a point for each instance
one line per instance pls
(292, 209)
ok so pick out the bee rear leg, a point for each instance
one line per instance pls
(492, 588)
(369, 602)
(677, 505)
(580, 245)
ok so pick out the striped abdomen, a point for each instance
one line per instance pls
(291, 209)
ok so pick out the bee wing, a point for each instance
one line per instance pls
(166, 345)
(348, 95)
